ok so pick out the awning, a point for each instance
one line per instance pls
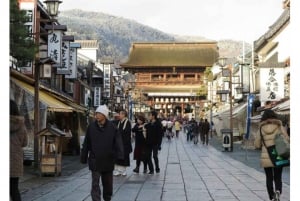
(52, 103)
(75, 106)
(235, 110)
(282, 108)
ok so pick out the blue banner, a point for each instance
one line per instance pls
(249, 112)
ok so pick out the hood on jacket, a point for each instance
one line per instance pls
(15, 124)
(270, 125)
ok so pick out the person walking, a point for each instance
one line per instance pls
(154, 134)
(177, 127)
(269, 126)
(196, 132)
(200, 124)
(139, 153)
(205, 130)
(101, 147)
(124, 127)
(18, 140)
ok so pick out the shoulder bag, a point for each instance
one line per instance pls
(282, 146)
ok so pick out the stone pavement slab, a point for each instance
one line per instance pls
(188, 173)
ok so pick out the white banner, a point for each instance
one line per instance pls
(271, 84)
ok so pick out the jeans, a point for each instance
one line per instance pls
(107, 183)
(273, 175)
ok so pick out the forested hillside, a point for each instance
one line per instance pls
(116, 34)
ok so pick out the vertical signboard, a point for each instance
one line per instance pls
(97, 96)
(65, 58)
(106, 80)
(73, 61)
(245, 70)
(271, 84)
(55, 46)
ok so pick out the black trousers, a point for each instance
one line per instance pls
(14, 189)
(107, 184)
(152, 150)
(273, 176)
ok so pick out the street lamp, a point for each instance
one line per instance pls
(52, 8)
(227, 72)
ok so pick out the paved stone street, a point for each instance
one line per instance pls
(188, 173)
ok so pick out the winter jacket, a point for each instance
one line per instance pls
(154, 132)
(177, 125)
(101, 147)
(124, 127)
(140, 141)
(18, 140)
(269, 128)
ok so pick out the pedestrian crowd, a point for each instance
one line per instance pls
(108, 144)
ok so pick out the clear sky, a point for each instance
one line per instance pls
(214, 19)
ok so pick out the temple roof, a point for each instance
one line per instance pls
(186, 54)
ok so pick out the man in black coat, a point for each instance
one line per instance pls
(101, 147)
(154, 134)
(124, 127)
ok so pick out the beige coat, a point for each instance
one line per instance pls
(269, 128)
(18, 140)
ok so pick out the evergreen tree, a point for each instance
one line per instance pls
(22, 46)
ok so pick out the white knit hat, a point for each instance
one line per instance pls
(103, 110)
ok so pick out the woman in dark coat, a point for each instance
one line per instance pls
(139, 149)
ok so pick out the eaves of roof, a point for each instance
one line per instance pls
(172, 54)
(273, 30)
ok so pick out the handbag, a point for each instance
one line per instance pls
(277, 160)
(282, 146)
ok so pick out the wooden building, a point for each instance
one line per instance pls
(171, 74)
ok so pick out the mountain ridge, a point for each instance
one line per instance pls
(116, 34)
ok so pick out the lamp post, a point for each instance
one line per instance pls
(227, 72)
(52, 8)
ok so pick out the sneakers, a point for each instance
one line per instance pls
(157, 170)
(124, 173)
(277, 196)
(116, 173)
